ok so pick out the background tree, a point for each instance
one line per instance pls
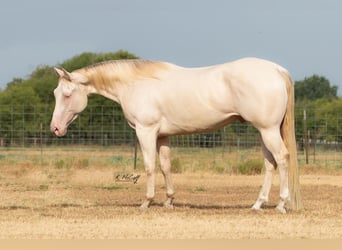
(323, 109)
(314, 87)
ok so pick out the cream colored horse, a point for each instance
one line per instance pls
(160, 99)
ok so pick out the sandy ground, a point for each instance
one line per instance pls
(89, 204)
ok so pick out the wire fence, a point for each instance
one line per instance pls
(319, 135)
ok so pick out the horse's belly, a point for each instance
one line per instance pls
(195, 123)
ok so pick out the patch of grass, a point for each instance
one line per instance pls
(338, 167)
(230, 160)
(43, 187)
(82, 163)
(59, 164)
(219, 169)
(117, 159)
(314, 168)
(110, 188)
(200, 189)
(16, 207)
(176, 166)
(121, 162)
(250, 167)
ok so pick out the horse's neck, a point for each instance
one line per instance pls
(112, 94)
(110, 79)
(104, 84)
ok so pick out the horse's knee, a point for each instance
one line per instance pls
(270, 166)
(149, 171)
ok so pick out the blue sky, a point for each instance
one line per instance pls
(304, 36)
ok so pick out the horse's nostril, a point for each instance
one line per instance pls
(54, 130)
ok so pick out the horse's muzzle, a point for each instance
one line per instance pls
(57, 131)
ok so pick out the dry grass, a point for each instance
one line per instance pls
(214, 160)
(71, 201)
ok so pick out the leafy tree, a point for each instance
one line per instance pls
(43, 81)
(16, 109)
(319, 99)
(323, 119)
(314, 87)
(19, 92)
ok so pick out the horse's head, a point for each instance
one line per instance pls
(71, 99)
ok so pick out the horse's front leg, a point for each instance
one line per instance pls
(147, 140)
(165, 164)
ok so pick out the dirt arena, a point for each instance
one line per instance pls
(49, 203)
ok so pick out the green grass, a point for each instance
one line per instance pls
(111, 188)
(250, 167)
(43, 187)
(200, 189)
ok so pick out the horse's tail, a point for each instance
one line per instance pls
(289, 138)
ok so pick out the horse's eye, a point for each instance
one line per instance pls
(67, 93)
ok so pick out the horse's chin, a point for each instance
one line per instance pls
(60, 130)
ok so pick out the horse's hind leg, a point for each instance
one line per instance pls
(275, 145)
(270, 166)
(165, 164)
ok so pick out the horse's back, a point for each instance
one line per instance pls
(185, 100)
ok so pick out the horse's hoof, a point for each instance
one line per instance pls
(169, 203)
(257, 206)
(146, 204)
(281, 209)
(171, 207)
(168, 206)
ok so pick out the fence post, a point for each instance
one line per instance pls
(135, 151)
(305, 138)
(41, 143)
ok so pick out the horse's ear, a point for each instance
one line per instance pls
(63, 73)
(79, 78)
